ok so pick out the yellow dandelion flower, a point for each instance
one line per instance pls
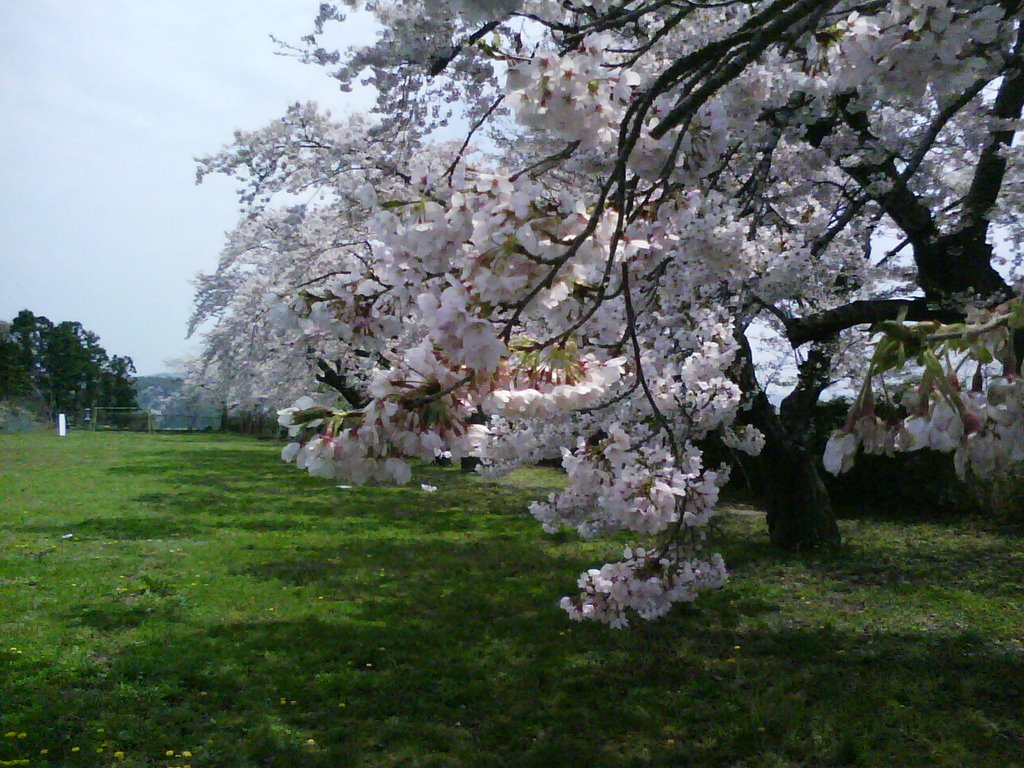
(119, 755)
(169, 753)
(76, 749)
(186, 753)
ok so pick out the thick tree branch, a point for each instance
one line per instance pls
(788, 14)
(440, 63)
(991, 167)
(898, 201)
(336, 380)
(823, 326)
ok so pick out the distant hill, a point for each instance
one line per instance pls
(153, 390)
(163, 394)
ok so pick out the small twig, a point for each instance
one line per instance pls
(547, 163)
(469, 137)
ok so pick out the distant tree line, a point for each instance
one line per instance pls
(61, 368)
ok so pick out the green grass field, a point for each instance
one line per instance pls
(217, 608)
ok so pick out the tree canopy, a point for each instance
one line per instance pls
(644, 193)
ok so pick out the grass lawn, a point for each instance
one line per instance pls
(214, 607)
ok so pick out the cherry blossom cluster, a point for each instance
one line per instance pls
(888, 52)
(982, 425)
(491, 239)
(548, 399)
(482, 242)
(983, 429)
(412, 414)
(515, 443)
(645, 582)
(423, 404)
(576, 96)
(615, 485)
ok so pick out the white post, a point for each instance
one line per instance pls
(62, 425)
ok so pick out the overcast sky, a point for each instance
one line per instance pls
(103, 107)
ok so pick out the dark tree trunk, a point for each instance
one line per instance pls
(798, 504)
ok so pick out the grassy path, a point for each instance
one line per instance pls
(216, 608)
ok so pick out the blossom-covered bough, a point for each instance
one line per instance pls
(982, 424)
(643, 185)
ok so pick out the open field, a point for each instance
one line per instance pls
(217, 608)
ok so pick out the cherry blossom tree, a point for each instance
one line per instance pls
(640, 186)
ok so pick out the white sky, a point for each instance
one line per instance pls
(103, 107)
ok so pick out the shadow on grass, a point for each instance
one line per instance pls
(249, 489)
(975, 554)
(439, 652)
(130, 614)
(258, 475)
(920, 515)
(397, 687)
(124, 528)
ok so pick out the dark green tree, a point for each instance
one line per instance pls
(118, 384)
(30, 332)
(72, 369)
(62, 367)
(15, 378)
